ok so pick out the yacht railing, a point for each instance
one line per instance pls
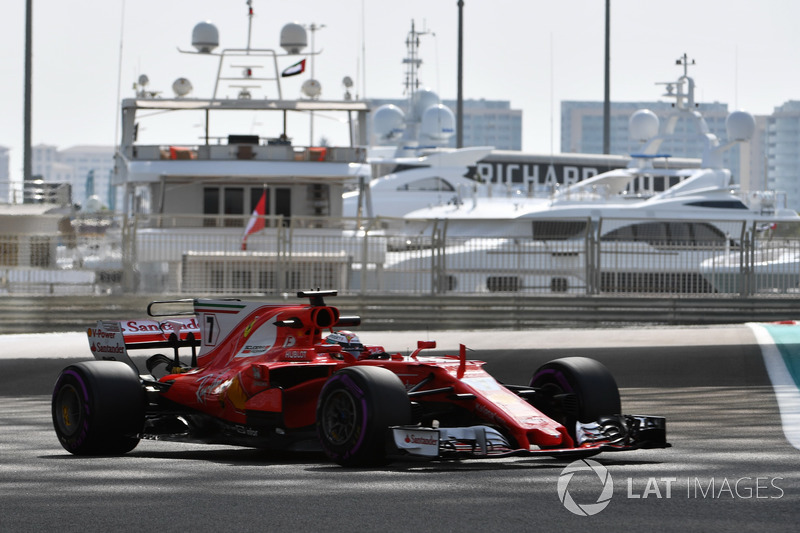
(35, 191)
(257, 151)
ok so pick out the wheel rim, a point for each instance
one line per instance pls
(69, 412)
(339, 417)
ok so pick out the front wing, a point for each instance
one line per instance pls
(617, 433)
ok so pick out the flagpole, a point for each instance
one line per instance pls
(249, 23)
(607, 96)
(460, 97)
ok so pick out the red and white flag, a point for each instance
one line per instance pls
(294, 70)
(256, 222)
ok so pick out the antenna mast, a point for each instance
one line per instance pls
(412, 62)
(249, 23)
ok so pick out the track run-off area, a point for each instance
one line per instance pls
(729, 394)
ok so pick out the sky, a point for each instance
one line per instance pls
(534, 54)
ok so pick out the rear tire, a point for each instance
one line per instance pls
(98, 408)
(576, 389)
(355, 408)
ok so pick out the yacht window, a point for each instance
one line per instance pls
(558, 230)
(625, 233)
(255, 196)
(652, 232)
(706, 234)
(427, 184)
(283, 202)
(679, 233)
(210, 205)
(234, 205)
(658, 183)
(719, 204)
(668, 233)
(210, 201)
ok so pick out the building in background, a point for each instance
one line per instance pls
(783, 151)
(490, 123)
(582, 132)
(5, 175)
(486, 122)
(86, 168)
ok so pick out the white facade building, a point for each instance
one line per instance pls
(86, 168)
(5, 175)
(783, 151)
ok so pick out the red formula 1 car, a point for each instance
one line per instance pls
(284, 376)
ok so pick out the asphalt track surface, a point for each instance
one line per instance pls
(730, 467)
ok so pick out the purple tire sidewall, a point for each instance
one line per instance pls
(348, 383)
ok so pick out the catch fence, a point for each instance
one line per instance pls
(208, 256)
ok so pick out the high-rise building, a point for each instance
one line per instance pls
(582, 132)
(490, 123)
(5, 175)
(87, 169)
(783, 151)
(486, 122)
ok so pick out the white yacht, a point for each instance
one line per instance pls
(771, 267)
(435, 177)
(188, 198)
(410, 167)
(609, 233)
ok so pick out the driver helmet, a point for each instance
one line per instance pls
(348, 340)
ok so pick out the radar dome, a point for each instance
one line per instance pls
(93, 204)
(311, 88)
(438, 123)
(181, 87)
(293, 38)
(388, 122)
(740, 126)
(643, 125)
(423, 99)
(205, 37)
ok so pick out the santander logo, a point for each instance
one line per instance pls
(412, 439)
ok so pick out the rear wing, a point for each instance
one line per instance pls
(184, 323)
(111, 339)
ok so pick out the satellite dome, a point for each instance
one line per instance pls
(93, 204)
(438, 123)
(643, 125)
(205, 37)
(423, 99)
(293, 38)
(388, 122)
(311, 88)
(740, 126)
(181, 87)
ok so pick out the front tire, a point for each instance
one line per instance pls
(355, 408)
(576, 389)
(98, 408)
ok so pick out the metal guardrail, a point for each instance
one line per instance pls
(419, 313)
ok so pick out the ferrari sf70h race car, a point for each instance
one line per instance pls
(288, 376)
